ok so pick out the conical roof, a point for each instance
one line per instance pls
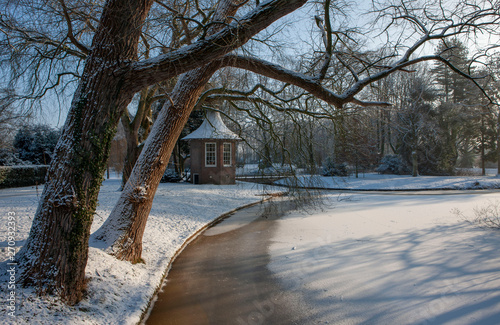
(212, 128)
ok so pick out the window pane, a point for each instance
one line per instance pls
(227, 154)
(210, 155)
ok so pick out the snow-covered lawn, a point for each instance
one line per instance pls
(392, 259)
(373, 181)
(118, 291)
(373, 258)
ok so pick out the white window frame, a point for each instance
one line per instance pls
(214, 152)
(230, 154)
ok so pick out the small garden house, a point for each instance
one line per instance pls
(213, 152)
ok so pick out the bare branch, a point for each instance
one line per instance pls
(151, 71)
(71, 36)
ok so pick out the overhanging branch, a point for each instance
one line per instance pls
(151, 71)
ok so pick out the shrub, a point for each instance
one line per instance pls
(17, 176)
(330, 168)
(9, 158)
(468, 172)
(35, 143)
(487, 216)
(170, 176)
(392, 164)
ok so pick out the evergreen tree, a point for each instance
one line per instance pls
(454, 88)
(35, 143)
(457, 115)
(419, 136)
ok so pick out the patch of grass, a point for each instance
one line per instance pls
(487, 216)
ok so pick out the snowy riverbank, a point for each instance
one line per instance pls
(397, 226)
(374, 181)
(118, 292)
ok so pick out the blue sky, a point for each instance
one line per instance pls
(296, 37)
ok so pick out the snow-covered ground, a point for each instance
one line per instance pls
(372, 258)
(374, 181)
(392, 258)
(118, 291)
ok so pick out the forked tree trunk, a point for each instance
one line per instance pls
(124, 228)
(55, 254)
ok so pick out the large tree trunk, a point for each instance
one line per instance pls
(124, 228)
(55, 254)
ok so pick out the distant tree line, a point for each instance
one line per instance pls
(439, 121)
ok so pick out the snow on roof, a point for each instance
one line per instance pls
(212, 128)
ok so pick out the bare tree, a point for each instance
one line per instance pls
(55, 254)
(10, 117)
(43, 45)
(124, 228)
(180, 17)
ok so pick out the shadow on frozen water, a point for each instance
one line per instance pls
(400, 278)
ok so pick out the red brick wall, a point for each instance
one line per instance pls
(212, 175)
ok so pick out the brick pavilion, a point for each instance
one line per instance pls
(213, 152)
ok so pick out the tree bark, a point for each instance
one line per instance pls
(414, 158)
(124, 228)
(55, 254)
(134, 137)
(133, 151)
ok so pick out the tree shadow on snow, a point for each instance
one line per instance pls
(446, 273)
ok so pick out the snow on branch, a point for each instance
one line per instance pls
(151, 71)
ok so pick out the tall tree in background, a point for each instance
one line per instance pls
(454, 87)
(493, 89)
(486, 140)
(137, 127)
(10, 118)
(417, 133)
(457, 114)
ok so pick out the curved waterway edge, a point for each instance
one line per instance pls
(221, 277)
(191, 238)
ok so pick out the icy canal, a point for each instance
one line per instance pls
(222, 276)
(362, 258)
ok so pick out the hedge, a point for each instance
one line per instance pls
(17, 176)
